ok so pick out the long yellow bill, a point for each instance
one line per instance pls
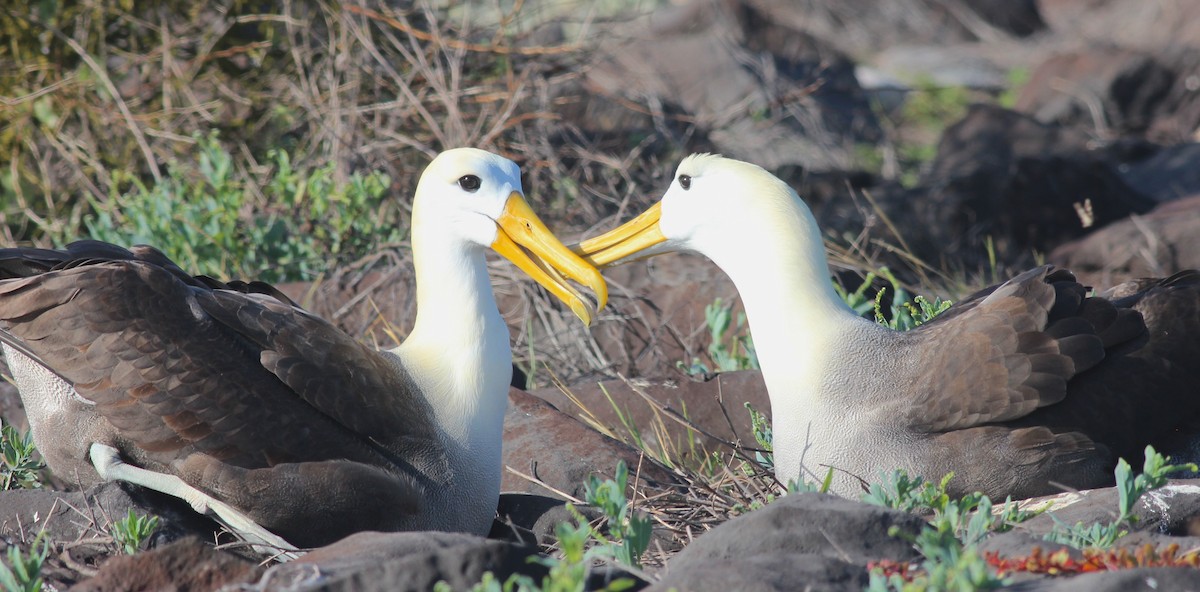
(620, 244)
(522, 234)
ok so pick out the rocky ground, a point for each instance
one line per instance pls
(1076, 138)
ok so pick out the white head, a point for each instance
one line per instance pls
(473, 198)
(730, 211)
(465, 190)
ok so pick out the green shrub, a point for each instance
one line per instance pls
(21, 572)
(1130, 489)
(730, 346)
(131, 531)
(582, 544)
(903, 312)
(949, 542)
(21, 468)
(199, 215)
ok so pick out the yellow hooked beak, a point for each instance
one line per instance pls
(521, 234)
(621, 244)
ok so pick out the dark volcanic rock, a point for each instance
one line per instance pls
(1176, 579)
(1112, 90)
(1169, 510)
(543, 442)
(771, 573)
(402, 561)
(758, 88)
(185, 565)
(1128, 87)
(1155, 244)
(807, 539)
(1138, 24)
(70, 515)
(860, 26)
(1170, 174)
(536, 515)
(1002, 175)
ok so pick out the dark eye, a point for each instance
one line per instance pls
(470, 183)
(685, 181)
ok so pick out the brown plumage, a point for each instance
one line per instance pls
(235, 399)
(1020, 389)
(1058, 383)
(191, 376)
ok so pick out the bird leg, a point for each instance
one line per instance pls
(109, 465)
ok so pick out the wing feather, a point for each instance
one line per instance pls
(179, 365)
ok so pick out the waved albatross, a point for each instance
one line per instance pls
(1016, 389)
(249, 407)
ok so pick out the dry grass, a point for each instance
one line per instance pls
(360, 85)
(363, 86)
(712, 485)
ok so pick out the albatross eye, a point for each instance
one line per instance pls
(685, 181)
(469, 183)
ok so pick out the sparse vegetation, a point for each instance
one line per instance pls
(582, 545)
(22, 572)
(730, 346)
(630, 531)
(914, 129)
(132, 531)
(1062, 562)
(1017, 78)
(196, 215)
(902, 313)
(1130, 489)
(22, 467)
(326, 112)
(949, 543)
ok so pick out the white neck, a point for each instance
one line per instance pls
(778, 265)
(800, 327)
(458, 350)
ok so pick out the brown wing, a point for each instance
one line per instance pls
(1147, 389)
(1012, 349)
(178, 367)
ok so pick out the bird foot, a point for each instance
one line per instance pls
(109, 465)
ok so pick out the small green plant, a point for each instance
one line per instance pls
(730, 345)
(582, 544)
(21, 572)
(761, 426)
(934, 105)
(630, 531)
(946, 568)
(903, 312)
(898, 491)
(1017, 78)
(131, 531)
(949, 542)
(21, 466)
(968, 518)
(1130, 489)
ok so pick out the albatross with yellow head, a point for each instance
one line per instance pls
(1019, 389)
(282, 426)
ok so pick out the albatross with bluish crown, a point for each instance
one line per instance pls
(284, 427)
(1020, 389)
